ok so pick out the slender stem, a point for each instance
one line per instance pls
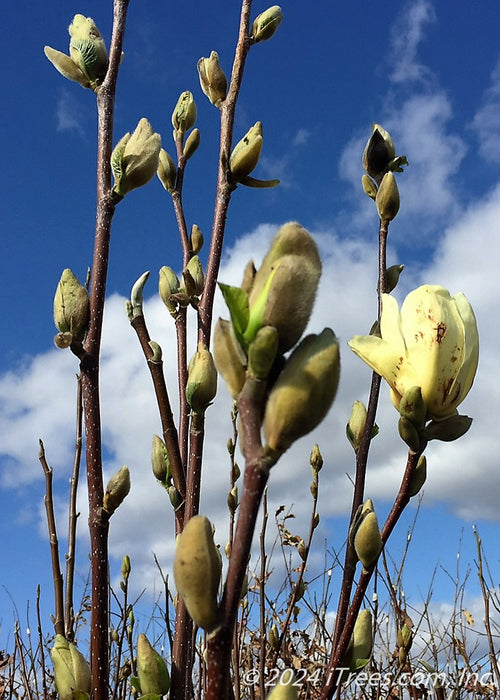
(224, 186)
(54, 545)
(69, 614)
(98, 523)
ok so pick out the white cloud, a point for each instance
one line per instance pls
(406, 35)
(68, 114)
(486, 122)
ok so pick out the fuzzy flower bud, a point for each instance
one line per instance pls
(184, 114)
(193, 277)
(303, 392)
(196, 239)
(197, 571)
(387, 199)
(365, 535)
(160, 461)
(126, 567)
(362, 637)
(87, 49)
(229, 358)
(246, 153)
(166, 170)
(192, 143)
(266, 24)
(151, 669)
(262, 352)
(168, 286)
(284, 287)
(116, 491)
(201, 386)
(135, 158)
(213, 81)
(71, 309)
(356, 425)
(71, 670)
(285, 688)
(418, 477)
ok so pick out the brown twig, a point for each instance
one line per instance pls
(54, 545)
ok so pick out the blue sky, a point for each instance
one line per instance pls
(429, 72)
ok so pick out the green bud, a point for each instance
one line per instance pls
(116, 491)
(284, 287)
(230, 359)
(262, 352)
(193, 277)
(413, 408)
(369, 187)
(151, 669)
(87, 49)
(387, 199)
(232, 500)
(126, 567)
(246, 153)
(316, 460)
(197, 571)
(303, 392)
(71, 309)
(409, 434)
(364, 534)
(392, 276)
(213, 82)
(135, 158)
(184, 114)
(192, 143)
(168, 286)
(362, 640)
(302, 550)
(273, 636)
(201, 386)
(356, 425)
(160, 461)
(174, 496)
(71, 670)
(196, 239)
(266, 24)
(418, 477)
(167, 171)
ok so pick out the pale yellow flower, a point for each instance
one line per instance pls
(431, 343)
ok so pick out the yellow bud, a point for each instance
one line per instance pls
(66, 66)
(71, 670)
(365, 535)
(362, 637)
(126, 567)
(285, 689)
(135, 158)
(201, 386)
(151, 669)
(168, 286)
(196, 239)
(266, 24)
(193, 277)
(316, 460)
(213, 81)
(166, 171)
(229, 358)
(197, 571)
(184, 114)
(356, 425)
(116, 491)
(369, 187)
(284, 287)
(71, 307)
(303, 392)
(160, 461)
(87, 49)
(387, 199)
(246, 153)
(273, 636)
(192, 143)
(262, 352)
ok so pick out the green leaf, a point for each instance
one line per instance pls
(237, 303)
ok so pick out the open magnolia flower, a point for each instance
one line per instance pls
(431, 343)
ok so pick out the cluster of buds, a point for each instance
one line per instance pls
(197, 571)
(380, 162)
(428, 353)
(269, 314)
(135, 158)
(71, 312)
(87, 62)
(177, 293)
(71, 670)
